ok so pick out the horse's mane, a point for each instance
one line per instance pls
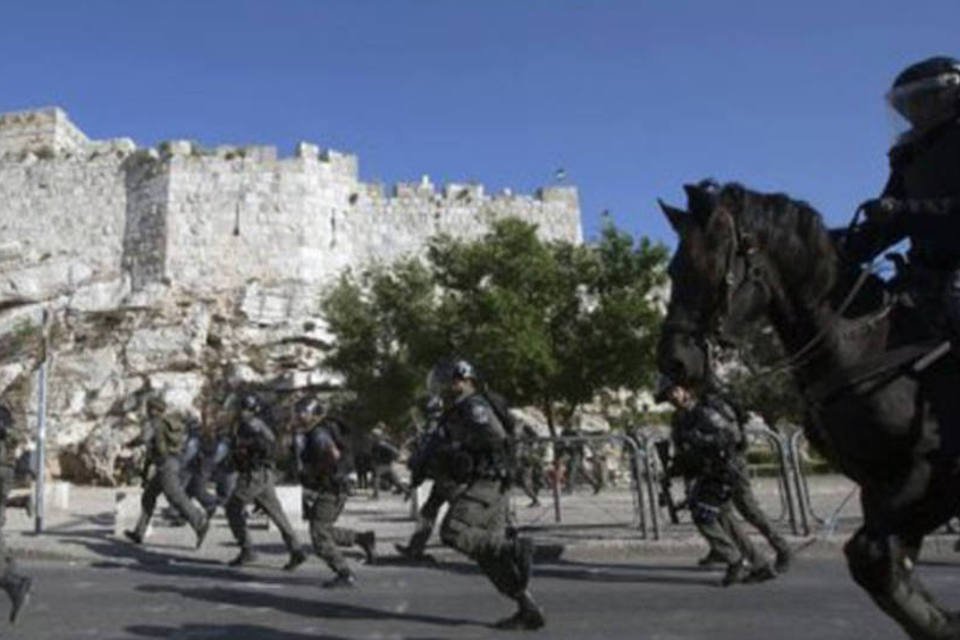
(791, 232)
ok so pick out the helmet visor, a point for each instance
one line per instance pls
(924, 103)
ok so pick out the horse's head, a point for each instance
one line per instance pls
(722, 276)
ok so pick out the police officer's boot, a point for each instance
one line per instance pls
(297, 558)
(246, 556)
(736, 572)
(343, 580)
(135, 535)
(761, 573)
(18, 588)
(529, 615)
(712, 557)
(784, 558)
(368, 542)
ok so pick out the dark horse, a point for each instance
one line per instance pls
(887, 423)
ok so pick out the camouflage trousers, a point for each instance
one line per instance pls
(475, 525)
(441, 492)
(166, 479)
(257, 486)
(323, 507)
(746, 504)
(712, 512)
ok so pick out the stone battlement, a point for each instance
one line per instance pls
(75, 210)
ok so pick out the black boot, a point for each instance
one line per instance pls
(529, 615)
(297, 558)
(711, 558)
(343, 580)
(133, 536)
(19, 596)
(784, 558)
(245, 557)
(368, 542)
(736, 572)
(761, 573)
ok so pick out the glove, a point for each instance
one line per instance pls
(881, 211)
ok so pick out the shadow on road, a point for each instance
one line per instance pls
(232, 632)
(300, 606)
(609, 573)
(166, 563)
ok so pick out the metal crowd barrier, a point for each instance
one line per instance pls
(639, 473)
(828, 523)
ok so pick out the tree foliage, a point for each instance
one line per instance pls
(546, 324)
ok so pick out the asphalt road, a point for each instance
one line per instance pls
(153, 596)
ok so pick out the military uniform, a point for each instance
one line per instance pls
(197, 462)
(16, 585)
(165, 437)
(707, 438)
(529, 470)
(423, 464)
(324, 460)
(253, 448)
(475, 524)
(384, 455)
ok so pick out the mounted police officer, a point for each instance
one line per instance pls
(16, 585)
(477, 454)
(164, 437)
(253, 448)
(324, 460)
(425, 464)
(707, 437)
(921, 199)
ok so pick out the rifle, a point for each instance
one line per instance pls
(665, 498)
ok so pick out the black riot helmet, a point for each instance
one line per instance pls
(309, 407)
(445, 373)
(927, 93)
(250, 402)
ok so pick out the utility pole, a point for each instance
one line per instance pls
(41, 426)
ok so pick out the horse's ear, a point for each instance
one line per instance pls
(701, 200)
(674, 215)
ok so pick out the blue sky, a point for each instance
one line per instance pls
(632, 99)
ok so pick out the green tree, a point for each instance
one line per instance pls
(548, 324)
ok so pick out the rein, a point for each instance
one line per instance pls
(742, 248)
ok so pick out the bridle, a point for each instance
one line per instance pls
(753, 271)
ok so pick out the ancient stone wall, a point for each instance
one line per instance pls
(188, 271)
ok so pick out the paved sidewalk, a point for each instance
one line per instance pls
(602, 524)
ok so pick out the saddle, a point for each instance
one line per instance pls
(918, 324)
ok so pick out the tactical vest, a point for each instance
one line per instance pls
(169, 437)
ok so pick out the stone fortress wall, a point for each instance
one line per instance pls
(181, 270)
(212, 220)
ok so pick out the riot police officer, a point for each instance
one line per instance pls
(324, 460)
(424, 464)
(253, 449)
(16, 586)
(164, 437)
(921, 199)
(197, 464)
(478, 456)
(706, 436)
